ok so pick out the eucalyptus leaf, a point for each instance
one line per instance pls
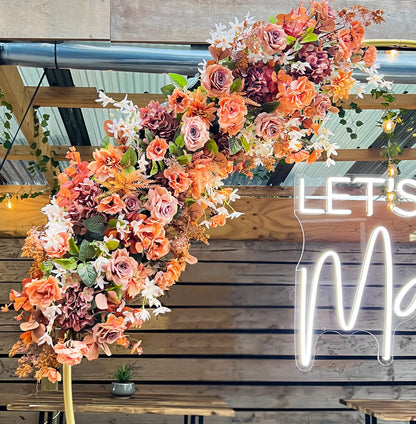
(87, 274)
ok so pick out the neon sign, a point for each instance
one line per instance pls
(396, 305)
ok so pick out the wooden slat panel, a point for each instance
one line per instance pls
(248, 370)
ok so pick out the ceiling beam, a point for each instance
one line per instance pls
(84, 97)
(14, 90)
(344, 155)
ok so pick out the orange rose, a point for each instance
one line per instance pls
(159, 248)
(57, 244)
(177, 179)
(157, 148)
(111, 205)
(53, 375)
(297, 95)
(231, 113)
(217, 221)
(42, 292)
(107, 162)
(71, 352)
(357, 33)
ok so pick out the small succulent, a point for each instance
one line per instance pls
(123, 374)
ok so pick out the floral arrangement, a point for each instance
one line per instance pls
(119, 228)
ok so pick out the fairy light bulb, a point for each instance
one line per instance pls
(390, 206)
(391, 196)
(9, 203)
(388, 126)
(392, 171)
(393, 53)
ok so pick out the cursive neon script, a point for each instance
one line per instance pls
(307, 298)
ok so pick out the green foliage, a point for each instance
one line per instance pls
(87, 273)
(178, 80)
(129, 158)
(123, 374)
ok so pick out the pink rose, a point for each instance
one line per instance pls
(121, 267)
(269, 126)
(195, 132)
(70, 352)
(131, 204)
(273, 38)
(161, 204)
(216, 80)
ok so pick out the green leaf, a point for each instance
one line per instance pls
(349, 130)
(95, 224)
(105, 142)
(358, 110)
(129, 158)
(46, 116)
(86, 251)
(343, 122)
(148, 135)
(112, 244)
(73, 248)
(270, 107)
(178, 80)
(112, 223)
(359, 123)
(236, 85)
(87, 274)
(245, 143)
(180, 140)
(44, 123)
(234, 144)
(184, 159)
(211, 146)
(167, 90)
(8, 115)
(154, 169)
(309, 38)
(67, 264)
(353, 136)
(129, 170)
(174, 149)
(273, 19)
(290, 39)
(7, 144)
(7, 124)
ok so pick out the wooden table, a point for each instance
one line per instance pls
(389, 410)
(190, 406)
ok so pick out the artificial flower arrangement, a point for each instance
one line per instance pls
(119, 228)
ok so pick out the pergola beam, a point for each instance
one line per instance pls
(84, 97)
(14, 90)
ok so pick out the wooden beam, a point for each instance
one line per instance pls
(13, 88)
(22, 189)
(344, 155)
(84, 97)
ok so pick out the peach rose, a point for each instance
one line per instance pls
(161, 204)
(297, 95)
(177, 179)
(179, 101)
(53, 375)
(273, 38)
(121, 267)
(320, 105)
(159, 248)
(216, 80)
(157, 148)
(269, 126)
(57, 244)
(195, 132)
(357, 33)
(231, 113)
(70, 352)
(107, 162)
(111, 205)
(42, 292)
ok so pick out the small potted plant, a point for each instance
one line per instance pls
(123, 387)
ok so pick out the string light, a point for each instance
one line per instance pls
(392, 171)
(393, 52)
(9, 203)
(388, 126)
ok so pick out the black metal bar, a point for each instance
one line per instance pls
(201, 419)
(373, 420)
(50, 417)
(185, 419)
(41, 419)
(61, 417)
(193, 419)
(367, 419)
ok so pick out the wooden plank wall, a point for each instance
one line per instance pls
(231, 334)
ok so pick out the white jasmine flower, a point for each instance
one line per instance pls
(144, 315)
(161, 310)
(329, 162)
(151, 290)
(103, 99)
(300, 67)
(235, 214)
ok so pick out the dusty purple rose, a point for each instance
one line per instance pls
(121, 267)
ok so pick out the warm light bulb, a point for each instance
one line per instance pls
(390, 206)
(388, 126)
(9, 201)
(392, 171)
(391, 196)
(393, 52)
